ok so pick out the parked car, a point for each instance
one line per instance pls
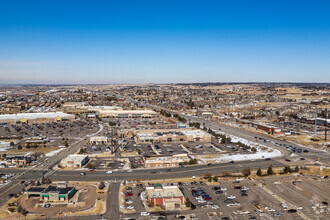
(82, 174)
(145, 213)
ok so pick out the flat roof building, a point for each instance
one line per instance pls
(127, 114)
(98, 140)
(170, 197)
(179, 135)
(160, 162)
(52, 193)
(25, 118)
(74, 161)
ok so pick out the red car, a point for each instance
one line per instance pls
(208, 198)
(129, 194)
(92, 170)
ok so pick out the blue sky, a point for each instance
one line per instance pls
(164, 41)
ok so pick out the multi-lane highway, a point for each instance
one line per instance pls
(45, 167)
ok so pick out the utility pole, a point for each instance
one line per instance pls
(122, 139)
(315, 120)
(111, 142)
(325, 124)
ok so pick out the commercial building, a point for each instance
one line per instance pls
(127, 114)
(25, 118)
(269, 129)
(36, 141)
(98, 140)
(159, 162)
(74, 161)
(170, 197)
(52, 193)
(107, 111)
(179, 135)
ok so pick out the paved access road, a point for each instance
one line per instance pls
(312, 155)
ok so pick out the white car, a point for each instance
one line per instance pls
(130, 207)
(129, 171)
(109, 171)
(223, 189)
(231, 197)
(245, 188)
(145, 213)
(215, 207)
(115, 170)
(234, 204)
(200, 201)
(129, 202)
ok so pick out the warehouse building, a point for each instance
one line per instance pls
(179, 135)
(25, 118)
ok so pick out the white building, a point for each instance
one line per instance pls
(74, 161)
(98, 140)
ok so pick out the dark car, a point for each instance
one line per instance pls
(287, 160)
(153, 171)
(209, 164)
(292, 211)
(325, 203)
(225, 218)
(237, 187)
(306, 151)
(244, 194)
(232, 161)
(215, 188)
(219, 192)
(267, 159)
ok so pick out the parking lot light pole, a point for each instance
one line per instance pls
(122, 139)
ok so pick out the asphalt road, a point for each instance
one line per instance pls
(312, 155)
(187, 171)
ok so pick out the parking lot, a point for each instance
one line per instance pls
(247, 199)
(76, 128)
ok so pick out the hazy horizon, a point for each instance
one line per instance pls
(136, 42)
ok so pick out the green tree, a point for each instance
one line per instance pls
(101, 185)
(19, 147)
(188, 204)
(296, 169)
(215, 179)
(19, 208)
(270, 170)
(259, 172)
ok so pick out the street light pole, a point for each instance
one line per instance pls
(122, 139)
